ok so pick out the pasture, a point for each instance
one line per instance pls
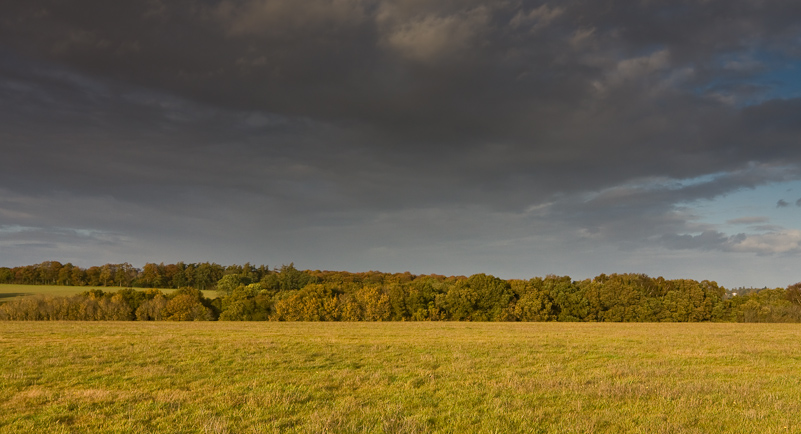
(11, 291)
(446, 377)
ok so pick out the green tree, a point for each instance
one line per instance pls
(479, 298)
(290, 278)
(6, 275)
(188, 276)
(228, 283)
(174, 275)
(246, 303)
(132, 297)
(152, 276)
(107, 272)
(124, 274)
(569, 300)
(533, 303)
(65, 274)
(49, 272)
(421, 298)
(186, 307)
(204, 275)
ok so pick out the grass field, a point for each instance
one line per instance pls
(12, 291)
(226, 377)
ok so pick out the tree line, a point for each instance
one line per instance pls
(250, 293)
(202, 275)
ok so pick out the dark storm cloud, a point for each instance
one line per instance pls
(602, 120)
(102, 139)
(553, 83)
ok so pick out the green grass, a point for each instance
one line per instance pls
(223, 377)
(13, 291)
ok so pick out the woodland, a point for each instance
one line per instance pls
(173, 292)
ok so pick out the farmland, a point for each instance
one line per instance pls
(12, 291)
(399, 377)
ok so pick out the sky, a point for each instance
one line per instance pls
(507, 137)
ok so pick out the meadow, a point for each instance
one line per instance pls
(447, 377)
(14, 291)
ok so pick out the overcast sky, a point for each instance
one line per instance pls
(508, 137)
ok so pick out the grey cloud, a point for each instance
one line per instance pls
(798, 202)
(782, 204)
(497, 108)
(21, 247)
(747, 220)
(176, 144)
(359, 59)
(50, 246)
(707, 240)
(772, 243)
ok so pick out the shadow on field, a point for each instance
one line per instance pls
(13, 294)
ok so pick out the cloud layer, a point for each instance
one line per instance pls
(355, 129)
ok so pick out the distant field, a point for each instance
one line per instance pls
(224, 377)
(12, 291)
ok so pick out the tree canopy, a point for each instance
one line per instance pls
(250, 293)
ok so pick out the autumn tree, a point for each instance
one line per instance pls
(374, 303)
(152, 276)
(315, 302)
(153, 307)
(187, 305)
(793, 293)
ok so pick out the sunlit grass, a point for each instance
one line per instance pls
(11, 291)
(399, 377)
